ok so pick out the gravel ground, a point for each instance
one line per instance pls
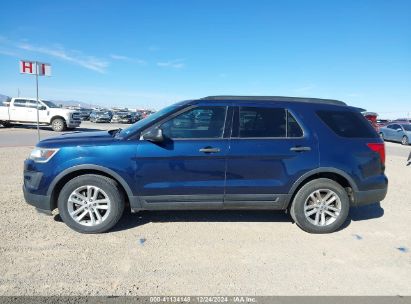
(205, 253)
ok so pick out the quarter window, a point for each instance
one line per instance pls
(348, 124)
(200, 122)
(267, 122)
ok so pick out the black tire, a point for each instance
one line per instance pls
(297, 207)
(405, 141)
(109, 186)
(7, 124)
(58, 125)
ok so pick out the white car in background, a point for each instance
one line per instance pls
(24, 110)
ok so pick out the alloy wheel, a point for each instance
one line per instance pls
(322, 207)
(89, 205)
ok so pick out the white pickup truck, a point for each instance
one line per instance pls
(24, 110)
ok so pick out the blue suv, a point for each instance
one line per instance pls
(313, 158)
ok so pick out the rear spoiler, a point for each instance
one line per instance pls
(358, 109)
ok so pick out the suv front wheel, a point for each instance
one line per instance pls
(320, 206)
(91, 203)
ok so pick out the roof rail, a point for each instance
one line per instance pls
(276, 98)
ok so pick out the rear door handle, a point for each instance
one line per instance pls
(209, 150)
(300, 149)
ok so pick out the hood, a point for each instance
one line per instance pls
(78, 139)
(62, 111)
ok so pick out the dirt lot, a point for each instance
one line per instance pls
(205, 253)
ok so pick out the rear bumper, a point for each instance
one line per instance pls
(369, 197)
(42, 202)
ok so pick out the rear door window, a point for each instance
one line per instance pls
(19, 103)
(347, 124)
(260, 122)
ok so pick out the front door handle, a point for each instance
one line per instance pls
(300, 149)
(209, 150)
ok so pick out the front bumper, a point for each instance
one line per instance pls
(32, 180)
(73, 123)
(120, 120)
(42, 202)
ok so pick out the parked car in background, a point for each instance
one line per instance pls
(24, 110)
(400, 132)
(122, 117)
(135, 116)
(383, 122)
(402, 120)
(85, 113)
(258, 152)
(100, 116)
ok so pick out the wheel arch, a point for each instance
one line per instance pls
(62, 178)
(57, 116)
(334, 174)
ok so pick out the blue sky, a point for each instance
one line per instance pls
(152, 53)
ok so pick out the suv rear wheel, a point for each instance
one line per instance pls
(320, 206)
(91, 203)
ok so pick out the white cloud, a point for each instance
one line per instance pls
(128, 59)
(8, 53)
(88, 62)
(175, 64)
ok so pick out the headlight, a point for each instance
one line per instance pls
(42, 155)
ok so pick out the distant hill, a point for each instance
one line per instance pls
(3, 98)
(73, 103)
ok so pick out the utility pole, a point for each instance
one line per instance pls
(37, 97)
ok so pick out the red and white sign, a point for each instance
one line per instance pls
(34, 67)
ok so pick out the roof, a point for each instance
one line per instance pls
(276, 98)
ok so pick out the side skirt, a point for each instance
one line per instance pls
(210, 202)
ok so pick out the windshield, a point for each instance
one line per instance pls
(407, 127)
(50, 104)
(141, 123)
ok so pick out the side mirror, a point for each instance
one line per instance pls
(42, 108)
(399, 130)
(154, 135)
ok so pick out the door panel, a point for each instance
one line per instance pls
(18, 112)
(263, 170)
(179, 168)
(187, 169)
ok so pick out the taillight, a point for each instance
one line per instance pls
(380, 149)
